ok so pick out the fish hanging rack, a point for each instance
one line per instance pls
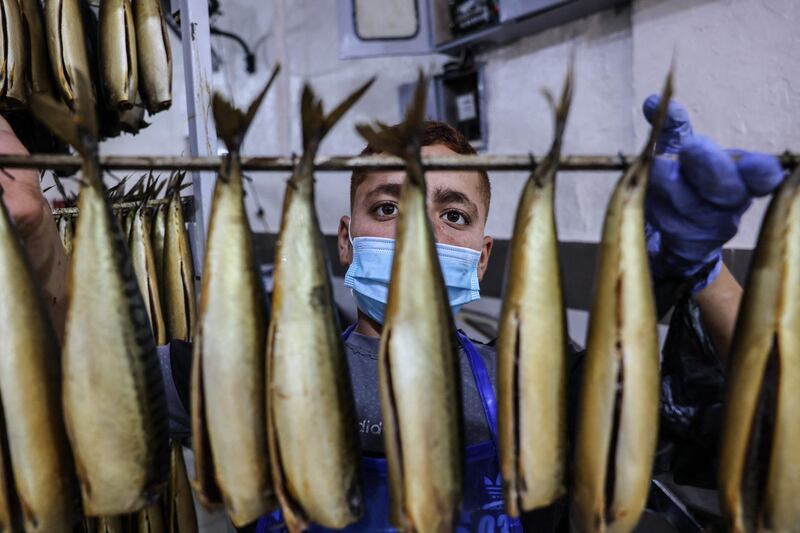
(187, 202)
(488, 162)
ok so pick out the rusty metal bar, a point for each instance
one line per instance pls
(337, 163)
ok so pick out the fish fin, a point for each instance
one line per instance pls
(401, 140)
(391, 432)
(58, 118)
(293, 514)
(315, 123)
(232, 123)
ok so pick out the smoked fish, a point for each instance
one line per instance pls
(155, 55)
(144, 265)
(532, 344)
(118, 58)
(619, 397)
(66, 43)
(313, 438)
(40, 73)
(180, 513)
(14, 56)
(113, 391)
(44, 482)
(419, 373)
(228, 383)
(177, 267)
(760, 415)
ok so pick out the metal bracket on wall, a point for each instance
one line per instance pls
(196, 42)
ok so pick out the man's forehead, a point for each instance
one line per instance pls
(466, 182)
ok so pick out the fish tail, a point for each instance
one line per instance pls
(402, 140)
(561, 109)
(661, 115)
(232, 123)
(316, 124)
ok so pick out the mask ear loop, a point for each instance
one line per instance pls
(349, 234)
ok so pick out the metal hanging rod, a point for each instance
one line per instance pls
(335, 163)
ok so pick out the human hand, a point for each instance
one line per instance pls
(697, 195)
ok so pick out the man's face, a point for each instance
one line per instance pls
(456, 209)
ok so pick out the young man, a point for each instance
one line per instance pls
(694, 207)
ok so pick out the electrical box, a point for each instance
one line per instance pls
(456, 97)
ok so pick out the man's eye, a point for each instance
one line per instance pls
(455, 217)
(386, 210)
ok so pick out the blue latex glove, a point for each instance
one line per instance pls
(696, 197)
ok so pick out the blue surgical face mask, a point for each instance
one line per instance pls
(371, 270)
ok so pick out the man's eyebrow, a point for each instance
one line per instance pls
(452, 196)
(388, 189)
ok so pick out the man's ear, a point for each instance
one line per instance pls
(486, 251)
(345, 248)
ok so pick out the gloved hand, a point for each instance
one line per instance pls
(696, 197)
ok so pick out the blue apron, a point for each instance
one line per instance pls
(482, 508)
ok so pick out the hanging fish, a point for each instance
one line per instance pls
(178, 268)
(151, 520)
(144, 265)
(229, 437)
(159, 227)
(66, 231)
(14, 59)
(118, 59)
(43, 472)
(532, 343)
(418, 359)
(40, 72)
(760, 418)
(155, 55)
(180, 513)
(618, 406)
(66, 42)
(313, 438)
(113, 392)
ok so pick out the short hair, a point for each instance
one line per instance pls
(434, 133)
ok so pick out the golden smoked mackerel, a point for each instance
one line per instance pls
(177, 268)
(113, 392)
(180, 513)
(144, 265)
(532, 342)
(66, 229)
(418, 362)
(66, 43)
(765, 369)
(620, 389)
(39, 73)
(155, 55)
(30, 390)
(313, 438)
(118, 67)
(229, 385)
(14, 60)
(151, 520)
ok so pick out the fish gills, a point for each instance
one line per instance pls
(178, 269)
(768, 326)
(40, 73)
(315, 471)
(144, 265)
(66, 42)
(41, 460)
(114, 400)
(531, 354)
(419, 372)
(620, 389)
(230, 342)
(181, 513)
(155, 55)
(14, 61)
(118, 58)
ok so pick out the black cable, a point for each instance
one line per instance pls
(249, 56)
